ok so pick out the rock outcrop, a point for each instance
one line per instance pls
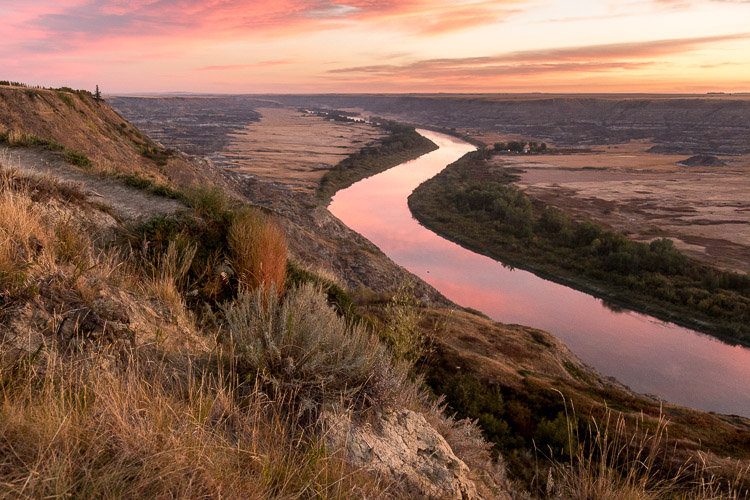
(407, 449)
(702, 161)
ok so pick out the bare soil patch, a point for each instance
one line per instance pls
(126, 201)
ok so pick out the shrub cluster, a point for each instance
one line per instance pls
(157, 154)
(233, 248)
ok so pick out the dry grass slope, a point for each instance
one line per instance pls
(115, 383)
(141, 407)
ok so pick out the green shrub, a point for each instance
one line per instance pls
(78, 159)
(139, 182)
(209, 275)
(66, 99)
(401, 333)
(158, 155)
(208, 200)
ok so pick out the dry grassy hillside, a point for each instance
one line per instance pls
(82, 124)
(185, 356)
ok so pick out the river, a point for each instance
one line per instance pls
(675, 363)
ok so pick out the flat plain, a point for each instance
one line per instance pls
(704, 209)
(294, 148)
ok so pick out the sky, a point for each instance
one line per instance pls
(301, 46)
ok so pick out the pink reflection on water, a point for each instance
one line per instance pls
(650, 356)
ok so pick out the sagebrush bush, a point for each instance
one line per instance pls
(258, 250)
(208, 201)
(302, 346)
(405, 339)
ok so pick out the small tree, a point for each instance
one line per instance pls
(97, 94)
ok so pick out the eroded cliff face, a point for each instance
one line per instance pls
(677, 124)
(406, 448)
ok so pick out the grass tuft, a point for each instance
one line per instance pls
(258, 250)
(617, 460)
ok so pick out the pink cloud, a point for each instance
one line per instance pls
(586, 58)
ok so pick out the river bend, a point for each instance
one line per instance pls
(675, 363)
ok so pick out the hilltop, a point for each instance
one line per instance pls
(104, 142)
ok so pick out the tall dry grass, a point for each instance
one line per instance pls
(168, 276)
(258, 250)
(630, 459)
(137, 420)
(23, 236)
(138, 423)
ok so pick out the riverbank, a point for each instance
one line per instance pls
(519, 381)
(402, 144)
(476, 206)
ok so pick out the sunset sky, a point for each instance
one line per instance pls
(378, 46)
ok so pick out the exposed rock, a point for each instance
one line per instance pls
(702, 161)
(406, 448)
(106, 320)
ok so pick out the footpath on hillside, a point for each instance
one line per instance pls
(128, 202)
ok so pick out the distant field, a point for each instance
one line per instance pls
(295, 149)
(705, 210)
(628, 179)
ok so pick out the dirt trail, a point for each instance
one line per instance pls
(126, 201)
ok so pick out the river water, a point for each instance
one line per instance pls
(675, 363)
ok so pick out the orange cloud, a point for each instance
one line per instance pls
(348, 45)
(570, 59)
